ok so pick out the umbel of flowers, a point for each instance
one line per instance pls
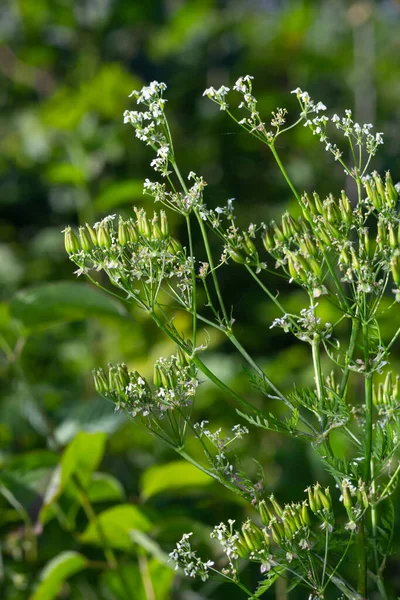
(342, 250)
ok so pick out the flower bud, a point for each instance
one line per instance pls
(71, 241)
(84, 240)
(92, 234)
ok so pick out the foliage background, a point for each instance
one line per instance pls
(66, 70)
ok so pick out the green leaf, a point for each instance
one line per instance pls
(56, 572)
(160, 577)
(45, 305)
(264, 585)
(174, 475)
(104, 488)
(121, 192)
(81, 457)
(66, 173)
(117, 524)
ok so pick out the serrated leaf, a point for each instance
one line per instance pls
(174, 475)
(116, 523)
(264, 585)
(56, 572)
(45, 305)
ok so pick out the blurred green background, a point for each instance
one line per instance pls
(66, 69)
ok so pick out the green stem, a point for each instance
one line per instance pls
(111, 559)
(374, 526)
(362, 559)
(342, 297)
(212, 268)
(349, 355)
(194, 291)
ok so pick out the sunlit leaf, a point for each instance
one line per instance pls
(56, 572)
(116, 523)
(104, 488)
(172, 476)
(51, 303)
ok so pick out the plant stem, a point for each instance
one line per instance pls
(194, 291)
(349, 355)
(111, 559)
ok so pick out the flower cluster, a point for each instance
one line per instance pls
(140, 251)
(187, 559)
(174, 387)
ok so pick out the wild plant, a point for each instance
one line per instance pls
(342, 250)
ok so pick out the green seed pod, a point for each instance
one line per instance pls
(331, 214)
(363, 494)
(347, 502)
(123, 236)
(285, 227)
(114, 381)
(391, 192)
(278, 235)
(345, 208)
(164, 378)
(276, 506)
(157, 376)
(366, 242)
(395, 268)
(237, 257)
(334, 231)
(305, 515)
(156, 232)
(182, 359)
(241, 547)
(355, 263)
(142, 223)
(132, 232)
(396, 388)
(372, 194)
(294, 225)
(71, 241)
(174, 247)
(398, 235)
(325, 497)
(249, 245)
(381, 395)
(324, 237)
(164, 224)
(388, 385)
(392, 237)
(296, 516)
(103, 236)
(315, 266)
(303, 225)
(123, 375)
(289, 528)
(100, 381)
(276, 532)
(318, 204)
(265, 515)
(268, 240)
(374, 395)
(84, 240)
(379, 185)
(317, 497)
(266, 536)
(308, 207)
(92, 234)
(292, 269)
(251, 545)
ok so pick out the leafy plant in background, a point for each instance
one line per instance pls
(341, 251)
